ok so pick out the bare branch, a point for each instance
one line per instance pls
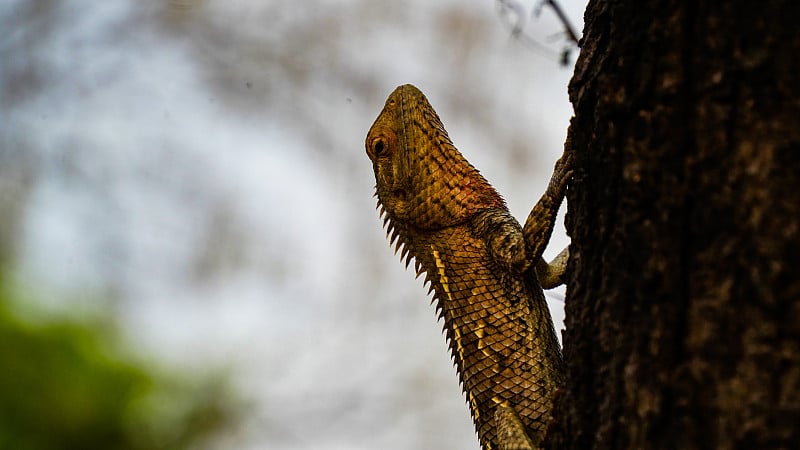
(514, 13)
(565, 21)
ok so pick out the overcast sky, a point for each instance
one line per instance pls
(198, 168)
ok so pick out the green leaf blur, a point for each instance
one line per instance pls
(66, 384)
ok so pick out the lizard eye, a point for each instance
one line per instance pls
(378, 147)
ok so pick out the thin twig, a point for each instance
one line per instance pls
(565, 21)
(517, 20)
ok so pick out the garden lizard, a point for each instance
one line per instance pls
(485, 270)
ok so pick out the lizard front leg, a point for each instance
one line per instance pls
(539, 225)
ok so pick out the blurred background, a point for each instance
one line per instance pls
(190, 255)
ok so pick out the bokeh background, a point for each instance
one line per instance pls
(190, 251)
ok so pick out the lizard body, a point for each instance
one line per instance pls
(481, 264)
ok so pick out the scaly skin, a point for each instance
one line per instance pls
(481, 266)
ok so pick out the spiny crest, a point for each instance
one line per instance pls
(418, 268)
(451, 344)
(398, 241)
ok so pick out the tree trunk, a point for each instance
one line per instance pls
(683, 307)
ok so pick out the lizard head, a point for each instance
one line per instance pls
(421, 179)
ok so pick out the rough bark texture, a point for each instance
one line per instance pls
(683, 308)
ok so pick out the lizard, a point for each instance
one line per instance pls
(486, 271)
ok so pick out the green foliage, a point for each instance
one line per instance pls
(68, 385)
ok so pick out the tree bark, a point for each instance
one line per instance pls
(683, 307)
